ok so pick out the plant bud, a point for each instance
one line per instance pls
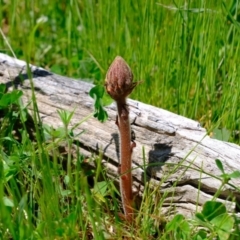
(119, 79)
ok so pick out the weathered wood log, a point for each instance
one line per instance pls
(179, 155)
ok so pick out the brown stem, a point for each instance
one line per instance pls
(126, 159)
(119, 84)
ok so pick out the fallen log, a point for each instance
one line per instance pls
(175, 153)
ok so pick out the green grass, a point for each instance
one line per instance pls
(188, 58)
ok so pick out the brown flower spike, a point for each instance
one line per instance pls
(119, 84)
(119, 80)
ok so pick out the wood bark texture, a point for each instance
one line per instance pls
(179, 157)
